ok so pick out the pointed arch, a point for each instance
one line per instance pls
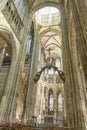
(50, 102)
(45, 4)
(7, 36)
(60, 101)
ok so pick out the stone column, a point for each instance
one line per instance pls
(81, 6)
(6, 99)
(9, 107)
(71, 101)
(21, 97)
(55, 102)
(35, 65)
(31, 93)
(81, 40)
(46, 103)
(20, 69)
(74, 58)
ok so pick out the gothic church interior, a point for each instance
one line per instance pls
(43, 64)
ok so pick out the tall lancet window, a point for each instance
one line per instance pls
(51, 71)
(58, 63)
(60, 102)
(50, 103)
(28, 50)
(28, 45)
(21, 8)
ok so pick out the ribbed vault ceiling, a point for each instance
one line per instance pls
(50, 34)
(49, 38)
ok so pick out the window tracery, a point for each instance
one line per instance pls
(20, 7)
(50, 103)
(57, 63)
(60, 103)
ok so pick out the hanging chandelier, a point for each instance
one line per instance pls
(38, 74)
(49, 66)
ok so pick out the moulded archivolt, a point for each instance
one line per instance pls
(86, 2)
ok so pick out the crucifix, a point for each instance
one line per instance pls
(49, 66)
(49, 51)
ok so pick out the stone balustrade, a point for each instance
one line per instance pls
(43, 123)
(52, 79)
(11, 14)
(49, 119)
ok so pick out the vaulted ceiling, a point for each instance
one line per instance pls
(51, 40)
(50, 34)
(33, 4)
